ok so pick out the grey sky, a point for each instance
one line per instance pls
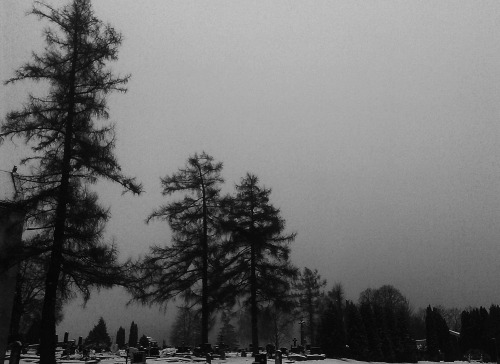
(375, 123)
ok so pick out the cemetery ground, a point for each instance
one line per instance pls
(230, 359)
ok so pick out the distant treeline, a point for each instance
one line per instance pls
(380, 327)
(383, 327)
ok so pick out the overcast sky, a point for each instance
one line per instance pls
(375, 123)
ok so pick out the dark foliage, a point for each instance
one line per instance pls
(226, 339)
(417, 324)
(309, 288)
(187, 327)
(276, 321)
(480, 334)
(357, 339)
(381, 321)
(258, 253)
(386, 314)
(120, 338)
(331, 332)
(406, 350)
(432, 335)
(372, 332)
(28, 301)
(133, 336)
(98, 337)
(143, 341)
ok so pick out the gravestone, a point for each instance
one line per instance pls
(136, 356)
(15, 352)
(315, 350)
(260, 359)
(278, 357)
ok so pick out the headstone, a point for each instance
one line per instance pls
(15, 352)
(277, 357)
(315, 350)
(66, 334)
(262, 358)
(130, 353)
(198, 351)
(207, 348)
(270, 348)
(137, 356)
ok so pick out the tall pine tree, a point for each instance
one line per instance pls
(98, 337)
(184, 267)
(70, 150)
(120, 337)
(133, 336)
(258, 247)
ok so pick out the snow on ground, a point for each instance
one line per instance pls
(229, 360)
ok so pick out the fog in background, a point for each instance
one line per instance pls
(375, 123)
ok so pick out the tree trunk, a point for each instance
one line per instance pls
(253, 278)
(204, 275)
(17, 309)
(311, 325)
(253, 301)
(48, 325)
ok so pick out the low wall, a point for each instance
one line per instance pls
(11, 228)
